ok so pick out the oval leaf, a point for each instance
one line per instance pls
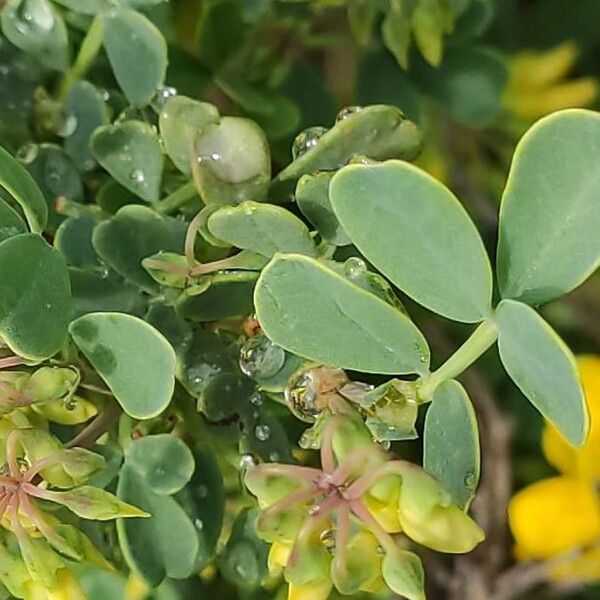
(543, 368)
(261, 228)
(313, 311)
(35, 297)
(451, 442)
(137, 52)
(136, 361)
(131, 153)
(415, 231)
(16, 180)
(550, 213)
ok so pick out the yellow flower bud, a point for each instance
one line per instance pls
(66, 588)
(315, 590)
(382, 501)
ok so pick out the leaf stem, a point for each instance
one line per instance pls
(481, 339)
(10, 361)
(383, 537)
(100, 425)
(88, 51)
(176, 199)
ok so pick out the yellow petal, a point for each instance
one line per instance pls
(66, 588)
(382, 502)
(553, 516)
(278, 555)
(580, 462)
(317, 590)
(583, 568)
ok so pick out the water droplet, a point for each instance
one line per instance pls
(247, 461)
(68, 125)
(4, 70)
(137, 175)
(274, 456)
(301, 396)
(27, 153)
(260, 358)
(70, 403)
(202, 491)
(198, 524)
(354, 267)
(346, 112)
(34, 18)
(256, 399)
(262, 432)
(161, 96)
(306, 140)
(327, 538)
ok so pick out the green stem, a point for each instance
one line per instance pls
(88, 51)
(177, 199)
(481, 339)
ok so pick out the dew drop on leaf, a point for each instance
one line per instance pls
(306, 140)
(346, 112)
(260, 358)
(262, 432)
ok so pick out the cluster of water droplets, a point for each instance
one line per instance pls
(260, 358)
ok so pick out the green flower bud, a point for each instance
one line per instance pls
(309, 561)
(357, 565)
(269, 487)
(403, 573)
(51, 383)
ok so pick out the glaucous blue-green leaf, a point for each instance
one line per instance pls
(550, 213)
(85, 7)
(262, 228)
(149, 456)
(133, 234)
(102, 290)
(181, 533)
(73, 239)
(10, 222)
(378, 132)
(543, 368)
(35, 297)
(131, 153)
(136, 361)
(402, 571)
(218, 296)
(137, 52)
(312, 197)
(85, 111)
(181, 121)
(37, 29)
(315, 312)
(16, 180)
(415, 231)
(451, 442)
(232, 162)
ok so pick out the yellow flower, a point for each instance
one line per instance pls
(537, 83)
(556, 516)
(66, 588)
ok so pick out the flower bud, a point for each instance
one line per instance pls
(357, 565)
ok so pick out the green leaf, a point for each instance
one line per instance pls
(15, 179)
(136, 361)
(262, 228)
(232, 162)
(181, 121)
(35, 297)
(543, 368)
(41, 561)
(150, 454)
(73, 239)
(10, 222)
(86, 110)
(403, 572)
(37, 29)
(137, 52)
(313, 311)
(451, 442)
(220, 296)
(85, 7)
(550, 213)
(415, 231)
(377, 132)
(396, 33)
(131, 153)
(89, 502)
(134, 233)
(312, 197)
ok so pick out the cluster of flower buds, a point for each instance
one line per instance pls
(348, 525)
(34, 544)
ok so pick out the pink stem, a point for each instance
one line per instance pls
(362, 484)
(325, 507)
(36, 492)
(215, 265)
(8, 482)
(17, 528)
(33, 514)
(295, 498)
(167, 267)
(40, 465)
(10, 361)
(327, 454)
(356, 458)
(384, 538)
(343, 532)
(190, 236)
(4, 504)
